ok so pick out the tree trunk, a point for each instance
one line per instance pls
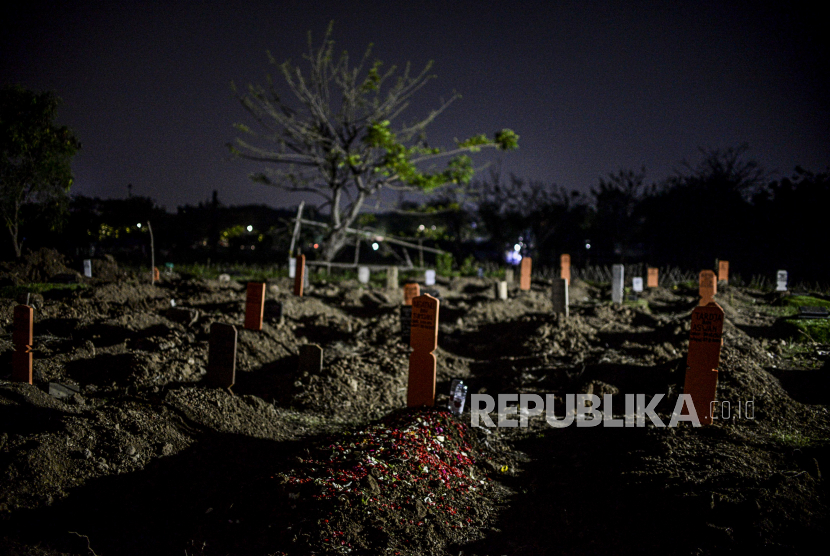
(334, 241)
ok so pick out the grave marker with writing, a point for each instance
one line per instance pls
(723, 271)
(565, 264)
(781, 281)
(705, 340)
(88, 268)
(637, 284)
(617, 280)
(422, 363)
(652, 277)
(524, 276)
(254, 305)
(311, 359)
(410, 292)
(392, 278)
(429, 278)
(559, 296)
(363, 274)
(299, 275)
(22, 339)
(708, 287)
(221, 368)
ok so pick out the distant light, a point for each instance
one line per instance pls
(587, 246)
(517, 248)
(316, 245)
(375, 246)
(139, 224)
(250, 228)
(433, 226)
(421, 228)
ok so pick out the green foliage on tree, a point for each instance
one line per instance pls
(340, 136)
(35, 158)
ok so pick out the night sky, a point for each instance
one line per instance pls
(590, 87)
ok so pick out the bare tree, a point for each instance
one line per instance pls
(339, 138)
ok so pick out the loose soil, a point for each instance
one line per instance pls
(145, 459)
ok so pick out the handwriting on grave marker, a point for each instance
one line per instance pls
(22, 339)
(708, 287)
(299, 275)
(704, 358)
(652, 278)
(422, 363)
(524, 276)
(254, 305)
(221, 368)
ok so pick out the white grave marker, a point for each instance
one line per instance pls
(501, 290)
(88, 268)
(637, 284)
(617, 284)
(429, 278)
(363, 274)
(782, 281)
(292, 267)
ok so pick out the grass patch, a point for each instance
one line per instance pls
(805, 301)
(808, 330)
(12, 292)
(797, 439)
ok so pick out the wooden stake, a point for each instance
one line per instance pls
(422, 363)
(22, 339)
(524, 278)
(299, 276)
(705, 340)
(254, 305)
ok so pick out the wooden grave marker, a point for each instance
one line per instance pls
(524, 276)
(708, 287)
(723, 271)
(559, 296)
(422, 363)
(410, 292)
(781, 281)
(254, 305)
(637, 284)
(617, 281)
(156, 275)
(363, 274)
(652, 278)
(311, 359)
(299, 275)
(221, 368)
(565, 267)
(22, 339)
(392, 278)
(705, 340)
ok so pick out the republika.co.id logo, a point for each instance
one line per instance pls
(588, 410)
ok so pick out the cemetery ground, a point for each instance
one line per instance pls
(134, 454)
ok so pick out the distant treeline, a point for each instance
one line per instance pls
(726, 207)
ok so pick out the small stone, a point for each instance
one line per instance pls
(167, 449)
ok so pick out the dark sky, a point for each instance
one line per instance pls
(590, 86)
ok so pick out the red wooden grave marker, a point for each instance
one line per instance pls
(22, 339)
(723, 271)
(299, 276)
(221, 368)
(410, 292)
(708, 287)
(524, 278)
(156, 275)
(705, 340)
(565, 263)
(652, 278)
(423, 339)
(255, 305)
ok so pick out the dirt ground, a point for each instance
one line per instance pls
(140, 457)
